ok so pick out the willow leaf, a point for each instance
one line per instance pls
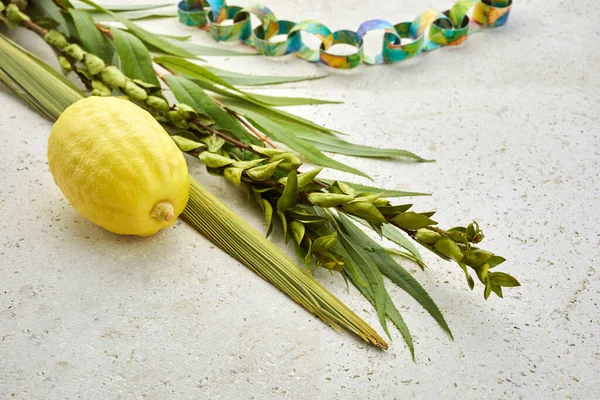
(91, 38)
(339, 146)
(274, 114)
(49, 9)
(136, 15)
(179, 38)
(199, 72)
(189, 93)
(239, 79)
(121, 7)
(192, 70)
(144, 35)
(199, 50)
(281, 101)
(357, 278)
(373, 276)
(394, 271)
(283, 134)
(135, 57)
(392, 233)
(289, 197)
(376, 190)
(395, 316)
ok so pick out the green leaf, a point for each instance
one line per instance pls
(289, 197)
(121, 7)
(144, 35)
(263, 172)
(495, 261)
(298, 231)
(364, 263)
(195, 71)
(503, 279)
(392, 233)
(179, 38)
(306, 177)
(136, 15)
(189, 93)
(279, 101)
(93, 41)
(213, 160)
(198, 50)
(44, 22)
(324, 243)
(244, 106)
(396, 318)
(371, 189)
(391, 210)
(390, 268)
(285, 134)
(329, 199)
(339, 146)
(364, 210)
(236, 78)
(283, 225)
(186, 141)
(247, 164)
(214, 143)
(412, 221)
(497, 290)
(268, 216)
(135, 57)
(233, 175)
(191, 70)
(51, 10)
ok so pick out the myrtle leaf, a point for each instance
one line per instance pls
(233, 175)
(365, 211)
(214, 160)
(324, 243)
(503, 279)
(186, 142)
(298, 230)
(284, 225)
(412, 221)
(307, 177)
(268, 209)
(289, 197)
(329, 199)
(263, 172)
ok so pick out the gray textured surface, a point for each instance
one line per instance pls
(512, 119)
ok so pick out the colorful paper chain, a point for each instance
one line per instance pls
(430, 30)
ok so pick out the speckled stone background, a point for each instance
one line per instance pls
(511, 118)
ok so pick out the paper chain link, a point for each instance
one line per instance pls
(430, 30)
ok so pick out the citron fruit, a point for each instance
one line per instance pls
(117, 166)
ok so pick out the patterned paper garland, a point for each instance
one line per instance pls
(430, 30)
